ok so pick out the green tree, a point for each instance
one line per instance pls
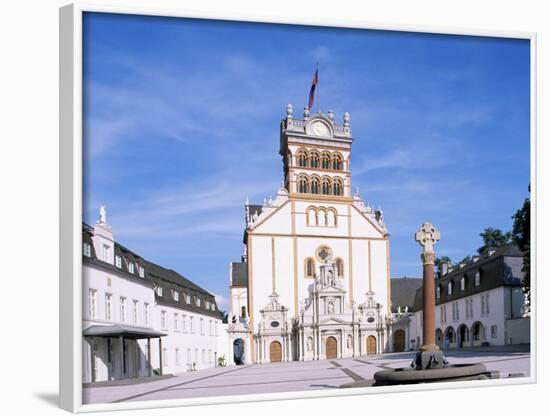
(521, 235)
(465, 260)
(493, 238)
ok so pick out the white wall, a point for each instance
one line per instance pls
(185, 339)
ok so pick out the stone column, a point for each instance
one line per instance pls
(160, 356)
(427, 236)
(149, 364)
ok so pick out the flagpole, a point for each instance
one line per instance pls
(318, 90)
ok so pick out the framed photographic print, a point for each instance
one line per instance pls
(263, 209)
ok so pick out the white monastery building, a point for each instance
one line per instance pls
(479, 303)
(139, 318)
(314, 280)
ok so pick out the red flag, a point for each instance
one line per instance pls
(312, 91)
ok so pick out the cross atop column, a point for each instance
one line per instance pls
(427, 236)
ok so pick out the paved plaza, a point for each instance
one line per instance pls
(292, 376)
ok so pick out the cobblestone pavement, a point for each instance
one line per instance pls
(293, 376)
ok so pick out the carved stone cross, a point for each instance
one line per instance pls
(427, 236)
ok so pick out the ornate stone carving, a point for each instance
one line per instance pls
(346, 119)
(427, 236)
(318, 128)
(428, 258)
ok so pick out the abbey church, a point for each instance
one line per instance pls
(314, 279)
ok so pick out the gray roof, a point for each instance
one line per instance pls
(155, 275)
(117, 330)
(239, 274)
(403, 291)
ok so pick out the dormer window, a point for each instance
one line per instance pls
(188, 299)
(175, 295)
(118, 261)
(198, 301)
(159, 290)
(87, 249)
(463, 283)
(438, 292)
(141, 271)
(106, 252)
(131, 267)
(450, 287)
(477, 278)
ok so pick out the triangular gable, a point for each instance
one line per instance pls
(335, 321)
(379, 229)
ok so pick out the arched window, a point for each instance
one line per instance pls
(315, 186)
(340, 267)
(325, 160)
(336, 161)
(311, 216)
(326, 186)
(301, 157)
(322, 217)
(338, 186)
(310, 267)
(331, 218)
(314, 159)
(303, 185)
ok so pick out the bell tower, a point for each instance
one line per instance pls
(316, 156)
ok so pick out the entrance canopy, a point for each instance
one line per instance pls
(118, 330)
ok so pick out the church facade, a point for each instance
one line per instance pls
(314, 279)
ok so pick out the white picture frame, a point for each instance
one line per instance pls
(71, 204)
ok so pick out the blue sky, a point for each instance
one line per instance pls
(181, 124)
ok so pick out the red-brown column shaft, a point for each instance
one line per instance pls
(428, 330)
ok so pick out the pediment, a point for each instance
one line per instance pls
(334, 321)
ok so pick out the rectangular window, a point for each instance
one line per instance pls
(106, 252)
(141, 271)
(87, 249)
(191, 329)
(482, 305)
(176, 322)
(163, 319)
(203, 356)
(184, 323)
(487, 304)
(108, 306)
(188, 356)
(175, 295)
(196, 355)
(177, 356)
(202, 326)
(92, 294)
(146, 313)
(135, 312)
(188, 299)
(122, 309)
(210, 328)
(216, 329)
(159, 290)
(118, 261)
(493, 331)
(131, 267)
